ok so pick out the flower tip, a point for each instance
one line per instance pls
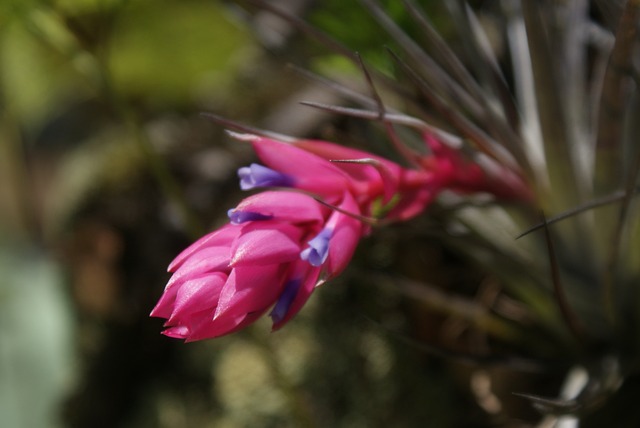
(256, 175)
(318, 250)
(177, 332)
(237, 216)
(173, 266)
(163, 308)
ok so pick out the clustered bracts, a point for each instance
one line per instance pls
(282, 243)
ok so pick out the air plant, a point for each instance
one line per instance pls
(547, 130)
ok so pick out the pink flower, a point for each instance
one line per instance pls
(379, 186)
(288, 166)
(318, 167)
(278, 247)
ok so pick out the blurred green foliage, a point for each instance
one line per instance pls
(195, 51)
(350, 24)
(167, 53)
(81, 84)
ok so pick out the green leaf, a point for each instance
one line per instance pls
(176, 51)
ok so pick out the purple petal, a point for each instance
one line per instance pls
(292, 302)
(257, 175)
(318, 250)
(284, 300)
(238, 216)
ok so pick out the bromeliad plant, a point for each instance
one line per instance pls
(547, 128)
(282, 244)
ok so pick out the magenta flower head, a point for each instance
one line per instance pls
(281, 244)
(277, 248)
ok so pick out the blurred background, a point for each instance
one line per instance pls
(107, 171)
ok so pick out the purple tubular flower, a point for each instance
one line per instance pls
(318, 251)
(238, 217)
(256, 175)
(285, 300)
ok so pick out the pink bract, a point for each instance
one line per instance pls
(230, 277)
